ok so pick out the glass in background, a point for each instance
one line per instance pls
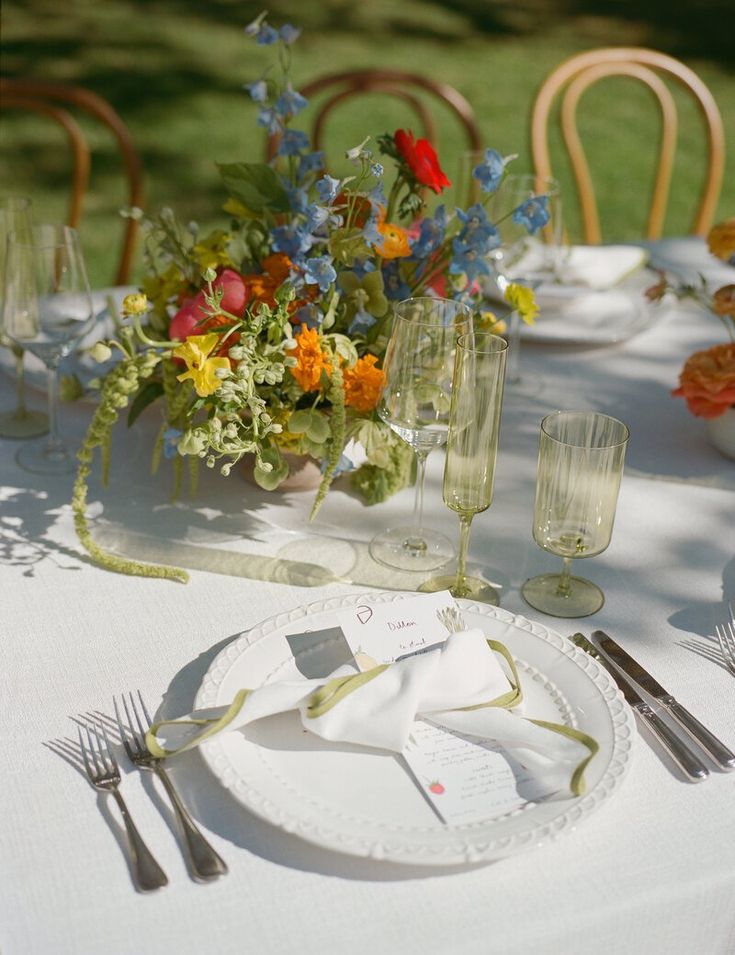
(48, 309)
(580, 465)
(418, 366)
(21, 421)
(472, 449)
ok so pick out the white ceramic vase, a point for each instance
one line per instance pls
(721, 433)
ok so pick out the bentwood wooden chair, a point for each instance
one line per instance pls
(566, 84)
(419, 93)
(60, 102)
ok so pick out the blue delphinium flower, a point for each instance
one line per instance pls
(289, 33)
(292, 240)
(431, 235)
(490, 171)
(310, 162)
(320, 271)
(396, 288)
(376, 169)
(263, 32)
(343, 465)
(270, 119)
(258, 91)
(171, 442)
(361, 323)
(316, 217)
(467, 260)
(361, 267)
(533, 213)
(327, 188)
(290, 102)
(298, 199)
(293, 142)
(308, 315)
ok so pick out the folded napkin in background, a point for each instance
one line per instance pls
(596, 267)
(459, 685)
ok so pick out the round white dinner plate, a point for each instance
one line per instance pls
(363, 801)
(78, 362)
(573, 315)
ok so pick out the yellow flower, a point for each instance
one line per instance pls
(200, 368)
(522, 299)
(489, 322)
(311, 359)
(721, 239)
(211, 252)
(363, 384)
(135, 304)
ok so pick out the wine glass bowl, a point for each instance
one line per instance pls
(21, 421)
(580, 466)
(48, 309)
(472, 445)
(415, 403)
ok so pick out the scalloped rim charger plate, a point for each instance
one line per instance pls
(362, 801)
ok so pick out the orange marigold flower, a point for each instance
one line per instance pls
(311, 359)
(707, 381)
(363, 384)
(395, 241)
(278, 266)
(721, 239)
(723, 301)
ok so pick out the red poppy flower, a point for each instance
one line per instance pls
(421, 160)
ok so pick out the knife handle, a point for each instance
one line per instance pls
(688, 762)
(716, 749)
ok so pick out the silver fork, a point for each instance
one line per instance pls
(104, 774)
(726, 637)
(204, 862)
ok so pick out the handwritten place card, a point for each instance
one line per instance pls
(464, 779)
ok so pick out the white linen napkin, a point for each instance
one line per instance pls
(597, 267)
(459, 684)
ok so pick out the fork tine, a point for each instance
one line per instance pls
(134, 736)
(123, 733)
(109, 755)
(141, 728)
(96, 757)
(83, 750)
(726, 638)
(147, 715)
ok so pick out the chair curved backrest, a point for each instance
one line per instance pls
(412, 88)
(44, 98)
(574, 76)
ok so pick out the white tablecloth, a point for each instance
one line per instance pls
(653, 871)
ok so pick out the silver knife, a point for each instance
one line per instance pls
(689, 762)
(724, 757)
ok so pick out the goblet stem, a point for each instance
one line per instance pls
(19, 354)
(418, 501)
(54, 444)
(564, 586)
(461, 588)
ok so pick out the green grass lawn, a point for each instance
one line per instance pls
(175, 73)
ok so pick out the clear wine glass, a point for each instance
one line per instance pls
(48, 309)
(21, 421)
(472, 448)
(418, 366)
(525, 258)
(580, 465)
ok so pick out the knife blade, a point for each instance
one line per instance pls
(714, 747)
(687, 760)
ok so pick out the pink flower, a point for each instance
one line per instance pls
(235, 297)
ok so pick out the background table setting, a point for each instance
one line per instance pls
(650, 869)
(243, 706)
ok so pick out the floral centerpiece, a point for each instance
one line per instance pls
(266, 336)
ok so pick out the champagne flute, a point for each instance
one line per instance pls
(48, 309)
(472, 448)
(580, 464)
(418, 366)
(21, 422)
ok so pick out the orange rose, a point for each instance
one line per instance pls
(363, 384)
(707, 381)
(395, 241)
(723, 301)
(721, 239)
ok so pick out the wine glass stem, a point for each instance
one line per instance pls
(19, 354)
(53, 442)
(418, 501)
(564, 586)
(512, 374)
(465, 523)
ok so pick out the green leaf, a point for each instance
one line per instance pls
(147, 394)
(300, 421)
(269, 480)
(318, 429)
(255, 185)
